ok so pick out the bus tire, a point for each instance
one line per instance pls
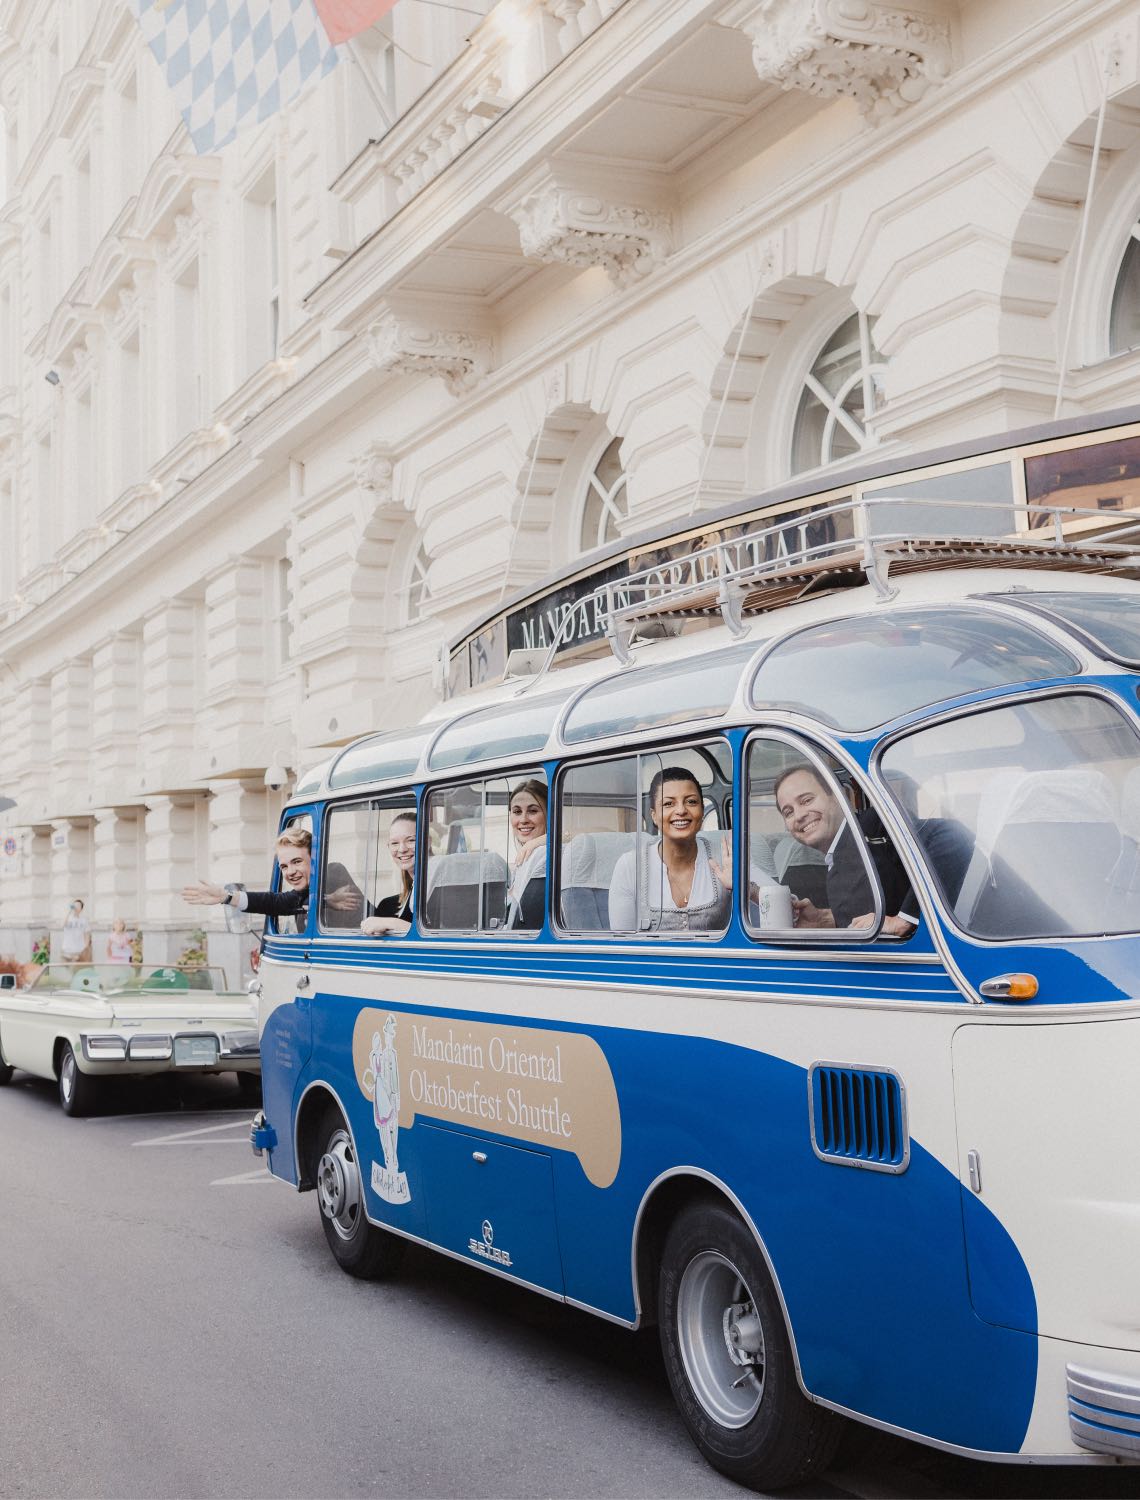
(77, 1090)
(359, 1247)
(728, 1356)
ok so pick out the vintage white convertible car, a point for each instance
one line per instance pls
(78, 1023)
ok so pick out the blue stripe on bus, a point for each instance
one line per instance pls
(717, 971)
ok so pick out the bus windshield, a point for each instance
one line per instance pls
(1029, 815)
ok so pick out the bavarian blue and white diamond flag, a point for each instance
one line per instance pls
(233, 63)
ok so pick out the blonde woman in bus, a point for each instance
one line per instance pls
(684, 887)
(392, 917)
(526, 893)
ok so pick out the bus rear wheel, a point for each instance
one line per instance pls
(729, 1359)
(358, 1246)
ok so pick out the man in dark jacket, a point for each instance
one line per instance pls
(814, 816)
(343, 904)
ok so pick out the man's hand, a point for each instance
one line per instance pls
(344, 898)
(805, 913)
(202, 893)
(892, 926)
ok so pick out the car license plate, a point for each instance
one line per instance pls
(195, 1051)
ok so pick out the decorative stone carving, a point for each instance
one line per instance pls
(402, 345)
(564, 226)
(883, 56)
(373, 471)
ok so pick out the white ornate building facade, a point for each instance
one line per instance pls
(275, 423)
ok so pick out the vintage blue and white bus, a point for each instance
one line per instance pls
(751, 947)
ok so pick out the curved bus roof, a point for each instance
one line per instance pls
(963, 570)
(942, 638)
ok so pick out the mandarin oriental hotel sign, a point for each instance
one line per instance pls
(574, 613)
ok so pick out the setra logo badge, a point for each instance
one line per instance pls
(486, 1248)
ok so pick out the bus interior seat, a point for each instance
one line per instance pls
(802, 869)
(1036, 840)
(1125, 879)
(589, 865)
(761, 859)
(454, 885)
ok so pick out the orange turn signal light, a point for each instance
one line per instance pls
(1010, 987)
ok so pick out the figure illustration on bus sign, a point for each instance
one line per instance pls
(384, 1072)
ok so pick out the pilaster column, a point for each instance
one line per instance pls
(237, 667)
(243, 825)
(115, 858)
(71, 872)
(115, 668)
(171, 859)
(70, 730)
(166, 723)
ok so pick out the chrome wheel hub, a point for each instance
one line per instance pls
(721, 1339)
(338, 1185)
(67, 1075)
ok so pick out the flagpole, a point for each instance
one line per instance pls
(372, 87)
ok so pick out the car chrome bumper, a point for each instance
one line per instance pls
(1104, 1412)
(226, 1050)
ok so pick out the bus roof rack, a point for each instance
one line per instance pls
(843, 546)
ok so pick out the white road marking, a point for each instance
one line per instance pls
(248, 1179)
(169, 1114)
(193, 1137)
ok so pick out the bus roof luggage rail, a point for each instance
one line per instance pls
(842, 547)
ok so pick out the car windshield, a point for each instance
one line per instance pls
(122, 979)
(1029, 816)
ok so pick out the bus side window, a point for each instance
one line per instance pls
(349, 842)
(285, 925)
(625, 820)
(391, 862)
(468, 857)
(816, 867)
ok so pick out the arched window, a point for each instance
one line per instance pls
(606, 504)
(1124, 323)
(842, 392)
(419, 591)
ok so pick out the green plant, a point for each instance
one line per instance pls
(194, 953)
(41, 950)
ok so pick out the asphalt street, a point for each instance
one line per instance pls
(173, 1325)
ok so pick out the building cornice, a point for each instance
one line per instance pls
(532, 128)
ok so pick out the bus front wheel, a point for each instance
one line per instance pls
(358, 1246)
(729, 1359)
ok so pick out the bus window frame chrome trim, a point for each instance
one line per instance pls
(442, 934)
(375, 802)
(972, 940)
(830, 936)
(851, 732)
(636, 940)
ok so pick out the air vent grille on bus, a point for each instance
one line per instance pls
(858, 1117)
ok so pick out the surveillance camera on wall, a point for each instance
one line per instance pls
(276, 777)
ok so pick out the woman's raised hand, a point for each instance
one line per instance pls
(722, 867)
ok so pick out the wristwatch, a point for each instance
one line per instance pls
(228, 899)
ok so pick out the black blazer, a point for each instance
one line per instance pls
(849, 890)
